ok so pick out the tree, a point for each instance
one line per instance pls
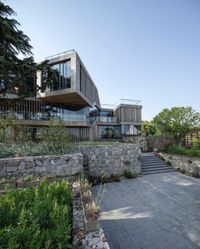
(18, 75)
(177, 122)
(148, 128)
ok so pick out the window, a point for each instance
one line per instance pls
(131, 129)
(63, 73)
(109, 132)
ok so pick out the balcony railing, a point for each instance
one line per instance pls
(103, 119)
(44, 116)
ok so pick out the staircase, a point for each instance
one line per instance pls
(150, 164)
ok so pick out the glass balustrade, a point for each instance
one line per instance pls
(103, 119)
(44, 116)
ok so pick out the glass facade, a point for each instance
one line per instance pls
(131, 130)
(67, 113)
(104, 116)
(36, 110)
(63, 73)
(109, 132)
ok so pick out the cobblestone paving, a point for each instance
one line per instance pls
(159, 211)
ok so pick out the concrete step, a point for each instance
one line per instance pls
(157, 172)
(151, 159)
(152, 162)
(156, 169)
(155, 166)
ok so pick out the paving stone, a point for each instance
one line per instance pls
(154, 211)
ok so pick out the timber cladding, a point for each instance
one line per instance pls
(127, 113)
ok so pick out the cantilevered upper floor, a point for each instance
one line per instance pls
(73, 86)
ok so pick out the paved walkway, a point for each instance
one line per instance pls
(159, 211)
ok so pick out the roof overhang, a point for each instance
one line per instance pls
(66, 97)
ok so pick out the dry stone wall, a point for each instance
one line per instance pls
(99, 159)
(59, 165)
(186, 164)
(111, 159)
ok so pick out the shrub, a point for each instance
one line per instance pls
(128, 174)
(56, 133)
(96, 180)
(196, 144)
(38, 217)
(33, 149)
(179, 150)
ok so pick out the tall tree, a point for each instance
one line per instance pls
(177, 122)
(17, 75)
(148, 128)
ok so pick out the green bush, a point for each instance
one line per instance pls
(179, 150)
(39, 217)
(32, 149)
(196, 144)
(56, 133)
(128, 174)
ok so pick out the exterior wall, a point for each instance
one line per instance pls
(111, 159)
(190, 165)
(150, 142)
(81, 82)
(60, 165)
(85, 84)
(129, 114)
(79, 133)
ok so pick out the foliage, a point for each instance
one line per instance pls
(196, 144)
(96, 180)
(7, 129)
(17, 141)
(180, 150)
(38, 217)
(128, 174)
(32, 149)
(177, 122)
(56, 133)
(18, 75)
(148, 128)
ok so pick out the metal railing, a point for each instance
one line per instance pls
(122, 102)
(59, 54)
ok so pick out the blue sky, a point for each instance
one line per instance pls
(135, 49)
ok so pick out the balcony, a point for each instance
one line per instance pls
(33, 118)
(103, 119)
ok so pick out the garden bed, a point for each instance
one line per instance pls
(87, 231)
(37, 217)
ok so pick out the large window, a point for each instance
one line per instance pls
(131, 129)
(109, 132)
(63, 72)
(37, 110)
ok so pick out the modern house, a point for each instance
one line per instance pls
(74, 99)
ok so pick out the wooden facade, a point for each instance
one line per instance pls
(82, 90)
(128, 114)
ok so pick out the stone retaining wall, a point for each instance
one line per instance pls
(111, 159)
(58, 165)
(99, 159)
(190, 165)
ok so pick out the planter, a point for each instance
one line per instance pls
(90, 211)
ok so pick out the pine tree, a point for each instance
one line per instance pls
(17, 75)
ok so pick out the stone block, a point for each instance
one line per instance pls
(2, 169)
(21, 166)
